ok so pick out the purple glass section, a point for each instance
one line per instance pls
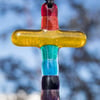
(50, 95)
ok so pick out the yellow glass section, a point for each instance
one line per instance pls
(40, 38)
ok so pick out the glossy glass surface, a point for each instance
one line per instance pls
(40, 38)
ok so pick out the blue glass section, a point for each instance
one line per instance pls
(49, 67)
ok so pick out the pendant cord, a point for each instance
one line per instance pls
(50, 3)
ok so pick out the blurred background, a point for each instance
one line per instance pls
(20, 67)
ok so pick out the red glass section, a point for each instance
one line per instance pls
(49, 17)
(45, 11)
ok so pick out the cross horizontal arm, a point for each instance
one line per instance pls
(40, 38)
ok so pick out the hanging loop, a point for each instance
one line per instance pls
(50, 3)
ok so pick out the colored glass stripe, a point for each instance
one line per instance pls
(50, 82)
(50, 95)
(49, 63)
(49, 67)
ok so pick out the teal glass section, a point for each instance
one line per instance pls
(50, 61)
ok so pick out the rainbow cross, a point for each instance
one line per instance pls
(49, 39)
